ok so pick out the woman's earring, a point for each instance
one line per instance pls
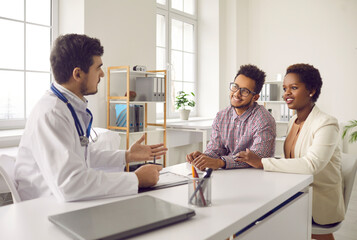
(311, 95)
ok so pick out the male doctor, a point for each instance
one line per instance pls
(54, 156)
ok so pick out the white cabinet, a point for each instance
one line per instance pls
(291, 221)
(121, 80)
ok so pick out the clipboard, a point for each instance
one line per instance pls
(167, 179)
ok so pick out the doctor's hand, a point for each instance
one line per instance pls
(250, 157)
(139, 152)
(148, 175)
(191, 156)
(203, 161)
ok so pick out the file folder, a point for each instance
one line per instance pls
(271, 92)
(146, 89)
(159, 89)
(121, 113)
(163, 89)
(139, 118)
(263, 93)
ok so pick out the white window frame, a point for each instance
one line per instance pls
(169, 14)
(20, 123)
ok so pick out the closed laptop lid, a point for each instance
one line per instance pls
(121, 219)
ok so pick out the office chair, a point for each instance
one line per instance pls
(7, 182)
(349, 167)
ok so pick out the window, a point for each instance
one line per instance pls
(26, 28)
(176, 25)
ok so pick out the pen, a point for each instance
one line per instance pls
(199, 187)
(194, 175)
(193, 172)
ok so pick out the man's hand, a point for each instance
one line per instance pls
(202, 162)
(138, 152)
(190, 157)
(250, 157)
(148, 175)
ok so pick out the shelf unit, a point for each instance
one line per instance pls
(130, 77)
(276, 111)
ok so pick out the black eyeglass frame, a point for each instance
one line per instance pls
(243, 91)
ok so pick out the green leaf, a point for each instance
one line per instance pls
(353, 137)
(182, 100)
(351, 125)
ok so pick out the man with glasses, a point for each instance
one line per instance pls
(243, 125)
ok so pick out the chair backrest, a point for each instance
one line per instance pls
(349, 168)
(7, 182)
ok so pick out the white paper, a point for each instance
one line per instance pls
(167, 178)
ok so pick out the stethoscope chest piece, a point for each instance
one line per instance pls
(84, 141)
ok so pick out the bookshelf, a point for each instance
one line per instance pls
(279, 110)
(121, 79)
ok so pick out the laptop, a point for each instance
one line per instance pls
(121, 219)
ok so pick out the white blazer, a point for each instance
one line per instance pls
(317, 152)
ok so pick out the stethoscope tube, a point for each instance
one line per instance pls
(84, 139)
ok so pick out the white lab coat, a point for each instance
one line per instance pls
(51, 159)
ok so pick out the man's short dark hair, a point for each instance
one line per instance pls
(308, 75)
(71, 51)
(254, 73)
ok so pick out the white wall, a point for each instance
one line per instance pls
(71, 16)
(208, 62)
(227, 49)
(126, 29)
(220, 28)
(320, 32)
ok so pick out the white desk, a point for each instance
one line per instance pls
(181, 130)
(239, 197)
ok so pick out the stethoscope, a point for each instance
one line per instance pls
(84, 139)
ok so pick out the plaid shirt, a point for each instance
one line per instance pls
(254, 129)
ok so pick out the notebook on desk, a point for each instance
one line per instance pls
(121, 219)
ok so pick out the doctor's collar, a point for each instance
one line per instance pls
(72, 95)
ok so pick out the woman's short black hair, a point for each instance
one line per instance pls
(254, 73)
(71, 51)
(308, 75)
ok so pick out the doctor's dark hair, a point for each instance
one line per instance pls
(308, 75)
(71, 51)
(254, 73)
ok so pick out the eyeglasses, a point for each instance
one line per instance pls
(243, 91)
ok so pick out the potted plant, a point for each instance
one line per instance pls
(182, 101)
(351, 125)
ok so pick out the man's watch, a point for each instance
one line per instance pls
(224, 161)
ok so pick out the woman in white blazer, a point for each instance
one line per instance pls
(311, 146)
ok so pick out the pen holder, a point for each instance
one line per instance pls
(199, 192)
